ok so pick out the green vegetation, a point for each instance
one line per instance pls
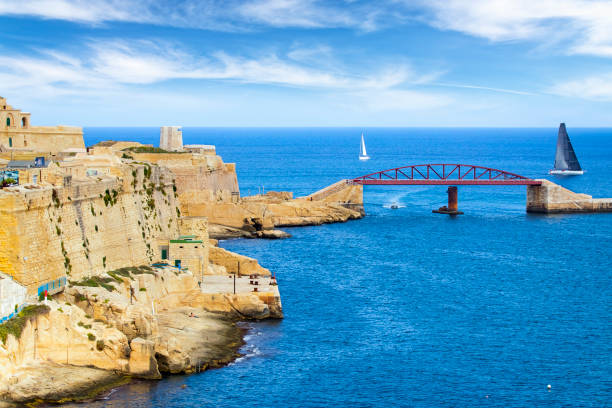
(147, 171)
(104, 261)
(86, 326)
(15, 325)
(58, 230)
(110, 199)
(96, 228)
(8, 181)
(127, 156)
(142, 289)
(93, 212)
(116, 275)
(94, 282)
(100, 345)
(148, 149)
(60, 310)
(91, 337)
(55, 198)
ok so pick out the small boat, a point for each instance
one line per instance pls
(566, 162)
(394, 206)
(363, 154)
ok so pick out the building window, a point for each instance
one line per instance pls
(8, 121)
(24, 122)
(164, 254)
(10, 139)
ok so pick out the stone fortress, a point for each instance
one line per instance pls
(121, 238)
(17, 133)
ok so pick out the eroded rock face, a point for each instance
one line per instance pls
(235, 263)
(64, 336)
(142, 359)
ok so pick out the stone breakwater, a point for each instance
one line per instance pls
(551, 198)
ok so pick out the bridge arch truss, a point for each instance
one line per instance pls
(444, 174)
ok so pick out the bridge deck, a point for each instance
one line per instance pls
(447, 182)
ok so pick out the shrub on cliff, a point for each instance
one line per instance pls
(16, 325)
(94, 282)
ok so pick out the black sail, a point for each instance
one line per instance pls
(565, 158)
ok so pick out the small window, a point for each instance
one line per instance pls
(10, 138)
(8, 121)
(24, 122)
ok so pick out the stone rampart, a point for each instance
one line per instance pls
(87, 227)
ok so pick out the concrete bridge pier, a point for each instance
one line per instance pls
(453, 203)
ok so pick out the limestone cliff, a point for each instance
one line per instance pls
(133, 321)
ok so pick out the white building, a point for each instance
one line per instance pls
(12, 297)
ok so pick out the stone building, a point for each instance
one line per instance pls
(16, 133)
(171, 138)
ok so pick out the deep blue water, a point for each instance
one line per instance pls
(410, 308)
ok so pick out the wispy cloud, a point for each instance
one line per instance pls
(596, 88)
(113, 65)
(484, 88)
(226, 15)
(580, 26)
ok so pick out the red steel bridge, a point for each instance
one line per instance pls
(445, 174)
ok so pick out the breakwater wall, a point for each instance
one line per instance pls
(550, 198)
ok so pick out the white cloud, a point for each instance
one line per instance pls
(597, 88)
(87, 11)
(579, 26)
(114, 64)
(227, 15)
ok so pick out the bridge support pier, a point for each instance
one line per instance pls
(452, 208)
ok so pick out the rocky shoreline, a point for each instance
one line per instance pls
(93, 338)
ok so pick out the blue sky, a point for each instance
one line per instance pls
(308, 62)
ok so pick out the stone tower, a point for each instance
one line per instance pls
(171, 138)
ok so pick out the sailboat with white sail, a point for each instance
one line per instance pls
(566, 162)
(363, 154)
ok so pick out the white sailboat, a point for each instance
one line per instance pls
(363, 154)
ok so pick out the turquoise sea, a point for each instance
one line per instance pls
(409, 308)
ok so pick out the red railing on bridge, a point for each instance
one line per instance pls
(444, 174)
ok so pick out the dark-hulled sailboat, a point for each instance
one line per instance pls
(566, 162)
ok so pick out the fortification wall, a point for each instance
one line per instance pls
(43, 139)
(87, 228)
